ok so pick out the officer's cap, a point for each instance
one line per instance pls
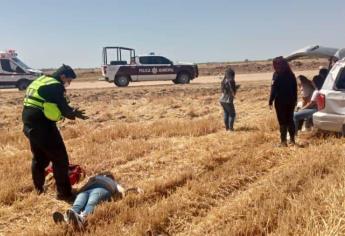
(64, 70)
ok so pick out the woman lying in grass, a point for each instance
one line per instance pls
(99, 188)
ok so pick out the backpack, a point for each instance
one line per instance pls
(75, 173)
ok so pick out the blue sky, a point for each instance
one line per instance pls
(48, 33)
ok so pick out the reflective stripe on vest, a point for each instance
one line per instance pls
(32, 98)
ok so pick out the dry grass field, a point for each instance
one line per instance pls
(198, 179)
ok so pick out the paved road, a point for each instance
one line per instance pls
(201, 80)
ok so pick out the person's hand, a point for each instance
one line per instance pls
(80, 114)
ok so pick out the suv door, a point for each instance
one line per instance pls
(7, 73)
(155, 68)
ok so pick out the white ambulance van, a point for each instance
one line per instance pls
(14, 73)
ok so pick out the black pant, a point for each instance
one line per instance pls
(47, 146)
(285, 118)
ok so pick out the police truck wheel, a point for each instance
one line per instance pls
(23, 84)
(183, 78)
(121, 81)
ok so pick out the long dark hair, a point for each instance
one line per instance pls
(281, 66)
(228, 75)
(107, 174)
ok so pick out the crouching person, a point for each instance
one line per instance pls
(99, 188)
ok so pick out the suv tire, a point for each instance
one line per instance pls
(121, 81)
(183, 78)
(23, 84)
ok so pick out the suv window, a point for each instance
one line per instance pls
(5, 65)
(163, 60)
(340, 81)
(154, 60)
(9, 66)
(144, 60)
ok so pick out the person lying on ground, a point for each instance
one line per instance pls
(99, 188)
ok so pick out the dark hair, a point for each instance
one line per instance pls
(318, 81)
(304, 80)
(229, 73)
(65, 70)
(281, 65)
(323, 72)
(107, 174)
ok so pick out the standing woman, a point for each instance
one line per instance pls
(284, 95)
(228, 87)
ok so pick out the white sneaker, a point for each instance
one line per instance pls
(75, 219)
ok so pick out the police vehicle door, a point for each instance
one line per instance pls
(155, 68)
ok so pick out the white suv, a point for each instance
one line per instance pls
(331, 101)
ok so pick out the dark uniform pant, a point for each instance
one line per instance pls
(47, 146)
(285, 118)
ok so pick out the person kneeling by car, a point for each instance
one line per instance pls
(99, 188)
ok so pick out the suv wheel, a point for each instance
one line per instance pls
(183, 78)
(23, 84)
(121, 81)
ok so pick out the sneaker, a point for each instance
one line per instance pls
(59, 218)
(75, 219)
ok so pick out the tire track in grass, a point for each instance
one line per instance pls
(266, 204)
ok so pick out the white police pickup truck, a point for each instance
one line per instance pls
(14, 73)
(143, 68)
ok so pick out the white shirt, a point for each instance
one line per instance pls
(314, 96)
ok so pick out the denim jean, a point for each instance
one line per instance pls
(229, 114)
(86, 201)
(302, 115)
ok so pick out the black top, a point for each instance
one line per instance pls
(54, 93)
(284, 89)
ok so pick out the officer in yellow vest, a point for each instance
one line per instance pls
(45, 103)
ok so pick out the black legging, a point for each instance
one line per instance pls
(285, 118)
(47, 146)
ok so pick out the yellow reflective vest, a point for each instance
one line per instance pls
(33, 99)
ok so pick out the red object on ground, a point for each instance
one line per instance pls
(75, 173)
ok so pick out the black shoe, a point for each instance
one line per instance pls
(67, 198)
(58, 217)
(282, 144)
(39, 191)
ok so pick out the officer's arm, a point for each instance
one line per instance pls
(62, 103)
(273, 90)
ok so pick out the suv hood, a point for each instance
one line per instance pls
(315, 51)
(34, 71)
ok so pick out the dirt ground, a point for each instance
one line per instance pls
(198, 179)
